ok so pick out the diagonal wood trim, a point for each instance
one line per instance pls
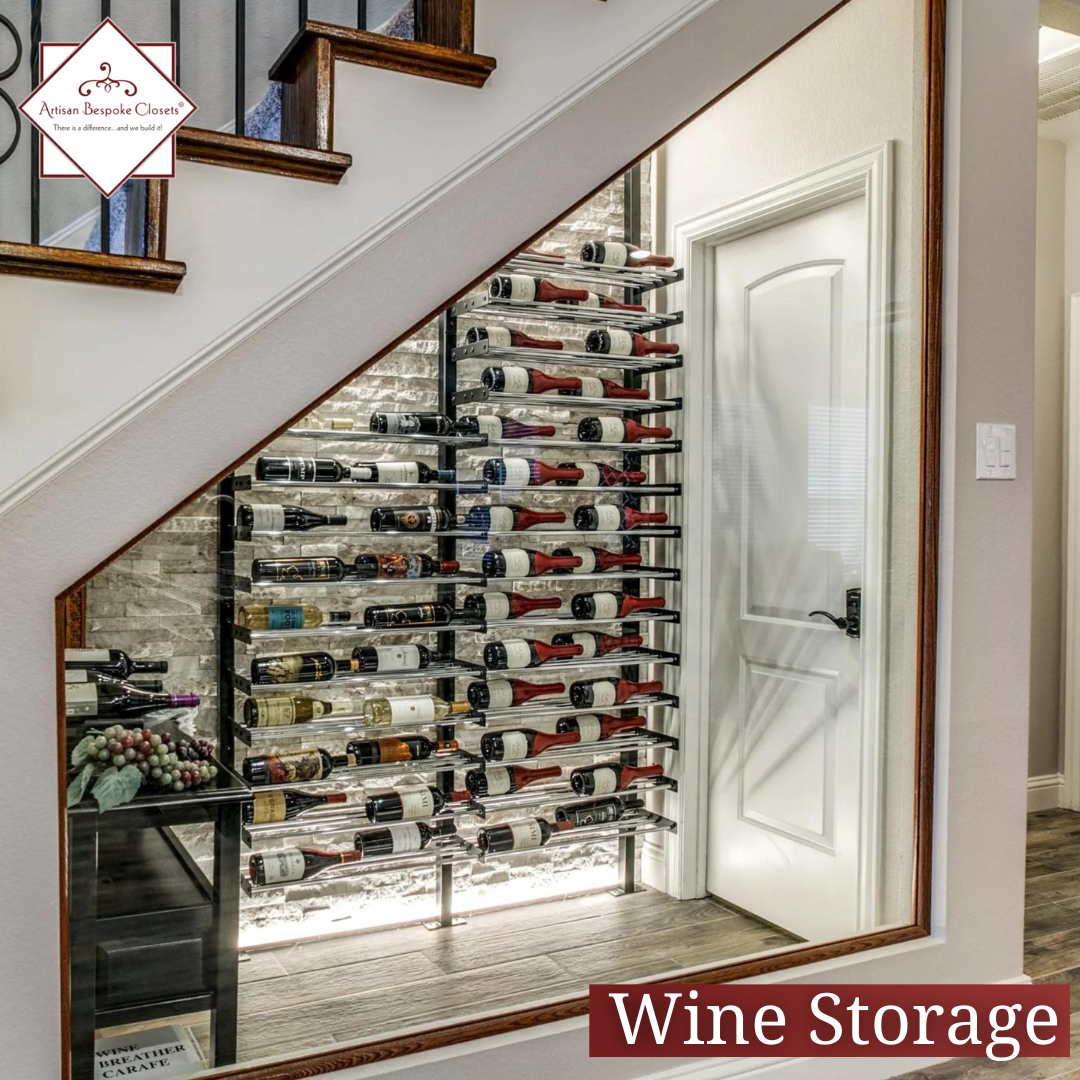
(74, 619)
(394, 54)
(90, 267)
(259, 155)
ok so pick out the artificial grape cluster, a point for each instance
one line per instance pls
(163, 760)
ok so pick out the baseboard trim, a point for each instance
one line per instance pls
(1045, 792)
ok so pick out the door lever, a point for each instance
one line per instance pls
(850, 624)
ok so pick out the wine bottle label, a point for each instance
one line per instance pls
(405, 838)
(608, 517)
(593, 301)
(412, 710)
(615, 254)
(81, 700)
(501, 693)
(515, 380)
(496, 605)
(76, 675)
(518, 654)
(587, 557)
(515, 745)
(605, 781)
(502, 519)
(397, 657)
(268, 518)
(419, 519)
(362, 472)
(269, 807)
(612, 429)
(279, 866)
(400, 424)
(593, 477)
(285, 617)
(603, 693)
(275, 711)
(302, 469)
(622, 342)
(587, 643)
(491, 426)
(526, 834)
(394, 750)
(606, 605)
(522, 287)
(591, 387)
(399, 472)
(290, 768)
(498, 336)
(417, 804)
(516, 472)
(86, 656)
(589, 728)
(498, 780)
(517, 563)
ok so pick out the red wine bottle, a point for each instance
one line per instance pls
(593, 644)
(402, 565)
(387, 616)
(112, 662)
(610, 777)
(504, 338)
(509, 693)
(599, 811)
(268, 807)
(399, 472)
(300, 470)
(387, 423)
(499, 780)
(411, 519)
(526, 743)
(621, 253)
(370, 659)
(301, 667)
(271, 518)
(604, 693)
(410, 803)
(607, 517)
(296, 864)
(400, 839)
(593, 728)
(516, 472)
(499, 606)
(592, 387)
(513, 379)
(594, 560)
(594, 300)
(524, 287)
(284, 571)
(497, 428)
(594, 474)
(510, 518)
(118, 699)
(625, 343)
(527, 652)
(611, 605)
(524, 562)
(398, 748)
(519, 835)
(610, 429)
(297, 766)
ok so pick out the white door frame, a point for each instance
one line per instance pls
(1071, 717)
(693, 242)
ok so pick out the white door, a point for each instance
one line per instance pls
(789, 800)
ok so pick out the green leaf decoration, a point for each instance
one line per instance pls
(81, 754)
(77, 788)
(117, 786)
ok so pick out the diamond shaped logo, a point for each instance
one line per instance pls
(108, 107)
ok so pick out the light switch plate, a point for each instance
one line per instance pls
(995, 451)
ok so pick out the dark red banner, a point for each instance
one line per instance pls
(998, 1022)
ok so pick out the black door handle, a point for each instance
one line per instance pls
(850, 623)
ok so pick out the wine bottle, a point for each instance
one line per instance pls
(497, 428)
(388, 423)
(592, 387)
(287, 616)
(510, 518)
(503, 337)
(610, 429)
(74, 675)
(598, 812)
(593, 644)
(498, 780)
(527, 652)
(410, 803)
(524, 562)
(273, 806)
(594, 474)
(283, 571)
(394, 840)
(422, 709)
(509, 693)
(594, 728)
(525, 472)
(332, 423)
(411, 519)
(400, 564)
(519, 835)
(394, 657)
(401, 748)
(610, 777)
(514, 379)
(607, 517)
(625, 343)
(390, 615)
(300, 470)
(272, 518)
(593, 560)
(524, 287)
(522, 744)
(594, 300)
(278, 710)
(611, 605)
(399, 472)
(294, 767)
(498, 606)
(119, 699)
(112, 662)
(603, 693)
(296, 864)
(620, 253)
(301, 667)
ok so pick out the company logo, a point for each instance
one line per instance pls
(107, 109)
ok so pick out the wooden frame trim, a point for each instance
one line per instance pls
(319, 1064)
(448, 23)
(92, 267)
(260, 155)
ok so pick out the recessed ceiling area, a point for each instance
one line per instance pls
(1059, 59)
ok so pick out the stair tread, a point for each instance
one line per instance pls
(260, 155)
(92, 267)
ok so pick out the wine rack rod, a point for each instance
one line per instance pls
(459, 669)
(465, 487)
(245, 584)
(339, 727)
(481, 395)
(326, 823)
(640, 365)
(642, 739)
(644, 573)
(638, 825)
(534, 310)
(630, 490)
(646, 449)
(553, 708)
(437, 763)
(622, 277)
(625, 658)
(664, 531)
(330, 435)
(537, 795)
(561, 621)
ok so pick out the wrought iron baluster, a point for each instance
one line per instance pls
(105, 247)
(241, 63)
(174, 36)
(361, 14)
(35, 150)
(418, 21)
(4, 95)
(301, 12)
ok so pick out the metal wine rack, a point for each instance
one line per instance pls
(457, 363)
